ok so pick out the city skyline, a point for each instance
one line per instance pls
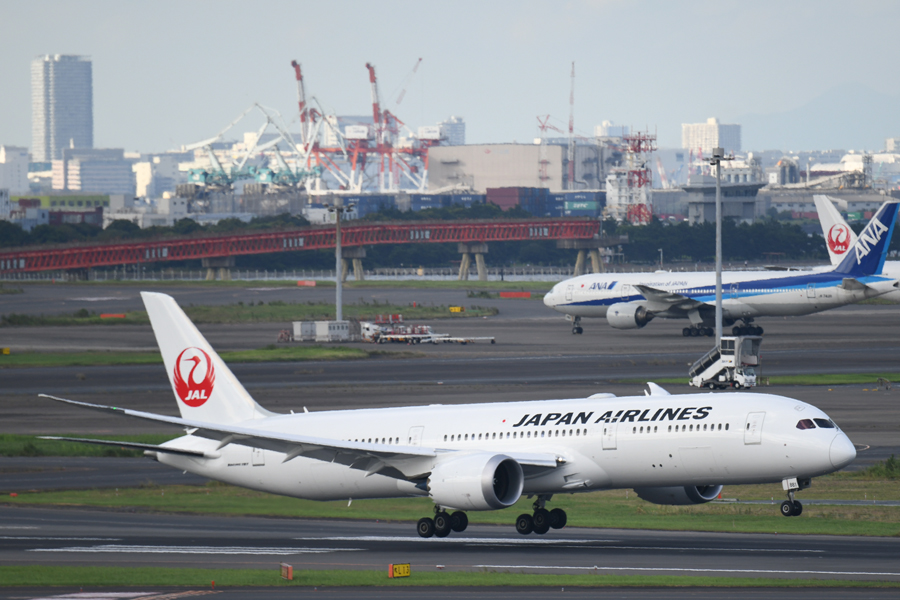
(796, 76)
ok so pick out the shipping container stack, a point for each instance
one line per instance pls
(576, 204)
(370, 203)
(424, 201)
(466, 200)
(533, 200)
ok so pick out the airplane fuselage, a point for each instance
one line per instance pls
(745, 294)
(600, 443)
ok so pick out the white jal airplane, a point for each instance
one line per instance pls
(839, 238)
(670, 449)
(631, 300)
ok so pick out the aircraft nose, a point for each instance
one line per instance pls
(842, 451)
(548, 299)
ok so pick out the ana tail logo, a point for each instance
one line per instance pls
(839, 238)
(870, 236)
(194, 376)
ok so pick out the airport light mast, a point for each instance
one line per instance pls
(718, 155)
(339, 209)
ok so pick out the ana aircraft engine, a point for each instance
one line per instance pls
(628, 315)
(689, 494)
(476, 482)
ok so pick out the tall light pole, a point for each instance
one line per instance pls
(718, 156)
(660, 258)
(338, 209)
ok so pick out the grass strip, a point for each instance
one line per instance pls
(12, 444)
(273, 353)
(39, 576)
(605, 509)
(447, 284)
(273, 312)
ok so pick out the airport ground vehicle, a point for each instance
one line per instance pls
(732, 363)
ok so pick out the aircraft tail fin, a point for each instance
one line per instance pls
(205, 388)
(839, 238)
(866, 256)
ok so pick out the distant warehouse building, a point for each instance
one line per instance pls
(483, 166)
(93, 170)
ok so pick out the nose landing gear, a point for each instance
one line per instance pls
(576, 326)
(792, 507)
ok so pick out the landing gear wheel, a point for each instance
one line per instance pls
(798, 509)
(580, 330)
(694, 332)
(541, 519)
(787, 508)
(558, 518)
(574, 331)
(524, 524)
(425, 527)
(758, 330)
(459, 521)
(442, 524)
(735, 330)
(709, 331)
(686, 332)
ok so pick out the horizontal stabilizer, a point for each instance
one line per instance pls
(132, 445)
(852, 285)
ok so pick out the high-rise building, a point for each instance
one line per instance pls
(14, 168)
(62, 105)
(454, 131)
(709, 135)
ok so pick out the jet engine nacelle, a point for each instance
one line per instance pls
(476, 482)
(689, 494)
(628, 315)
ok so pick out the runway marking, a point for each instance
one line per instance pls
(128, 549)
(59, 539)
(451, 540)
(18, 527)
(97, 299)
(689, 570)
(97, 596)
(537, 541)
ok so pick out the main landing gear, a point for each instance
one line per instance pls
(746, 329)
(576, 326)
(542, 520)
(442, 523)
(698, 332)
(791, 507)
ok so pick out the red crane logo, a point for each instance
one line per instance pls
(838, 238)
(196, 387)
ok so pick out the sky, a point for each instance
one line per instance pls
(169, 73)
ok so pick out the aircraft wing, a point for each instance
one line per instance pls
(398, 461)
(132, 445)
(661, 300)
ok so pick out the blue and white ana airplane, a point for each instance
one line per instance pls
(839, 238)
(631, 300)
(670, 449)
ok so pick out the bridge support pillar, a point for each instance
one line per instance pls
(479, 249)
(593, 246)
(355, 254)
(222, 264)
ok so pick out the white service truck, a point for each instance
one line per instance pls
(733, 363)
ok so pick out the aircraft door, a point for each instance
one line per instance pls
(734, 291)
(569, 290)
(753, 431)
(811, 291)
(257, 457)
(625, 291)
(609, 436)
(415, 435)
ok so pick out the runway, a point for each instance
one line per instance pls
(536, 357)
(84, 538)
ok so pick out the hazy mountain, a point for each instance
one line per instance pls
(848, 117)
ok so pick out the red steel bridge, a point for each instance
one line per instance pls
(83, 256)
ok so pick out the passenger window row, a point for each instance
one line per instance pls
(690, 427)
(466, 437)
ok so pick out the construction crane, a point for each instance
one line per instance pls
(406, 81)
(662, 174)
(570, 184)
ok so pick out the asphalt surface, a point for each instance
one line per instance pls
(535, 357)
(91, 538)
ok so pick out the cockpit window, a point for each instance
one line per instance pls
(806, 424)
(826, 423)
